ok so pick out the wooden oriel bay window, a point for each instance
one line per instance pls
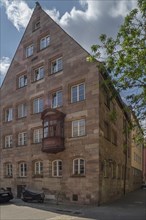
(53, 131)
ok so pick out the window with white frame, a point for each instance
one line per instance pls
(22, 81)
(78, 128)
(44, 42)
(22, 169)
(22, 139)
(29, 51)
(8, 170)
(8, 141)
(22, 110)
(38, 168)
(57, 168)
(78, 93)
(57, 99)
(37, 135)
(38, 74)
(56, 65)
(79, 166)
(8, 114)
(38, 105)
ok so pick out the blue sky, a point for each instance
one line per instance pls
(84, 20)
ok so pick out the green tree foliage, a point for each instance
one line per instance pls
(124, 58)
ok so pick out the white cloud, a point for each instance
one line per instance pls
(122, 8)
(4, 65)
(18, 12)
(84, 25)
(54, 14)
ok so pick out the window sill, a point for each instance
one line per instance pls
(38, 80)
(7, 122)
(6, 148)
(78, 101)
(56, 73)
(36, 113)
(56, 176)
(21, 87)
(23, 117)
(8, 177)
(37, 176)
(77, 175)
(41, 49)
(19, 177)
(37, 143)
(22, 145)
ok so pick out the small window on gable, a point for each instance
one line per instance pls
(22, 81)
(8, 114)
(22, 110)
(56, 65)
(38, 74)
(37, 25)
(29, 51)
(44, 42)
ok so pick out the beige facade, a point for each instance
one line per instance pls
(58, 133)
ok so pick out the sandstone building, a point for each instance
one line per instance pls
(60, 132)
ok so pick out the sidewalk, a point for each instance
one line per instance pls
(132, 206)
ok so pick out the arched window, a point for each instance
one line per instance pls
(79, 166)
(57, 168)
(38, 168)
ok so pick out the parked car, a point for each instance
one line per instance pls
(143, 186)
(5, 195)
(28, 196)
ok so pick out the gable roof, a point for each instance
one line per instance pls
(37, 9)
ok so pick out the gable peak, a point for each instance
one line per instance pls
(38, 5)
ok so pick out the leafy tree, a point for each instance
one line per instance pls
(124, 58)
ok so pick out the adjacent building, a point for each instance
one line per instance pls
(60, 130)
